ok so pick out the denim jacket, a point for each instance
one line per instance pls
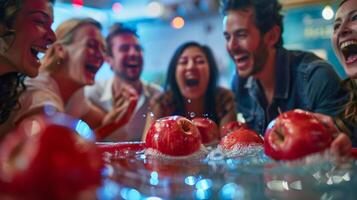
(303, 81)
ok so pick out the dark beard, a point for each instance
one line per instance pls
(260, 58)
(124, 77)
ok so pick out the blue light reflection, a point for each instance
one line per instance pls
(232, 191)
(109, 190)
(204, 184)
(84, 130)
(190, 180)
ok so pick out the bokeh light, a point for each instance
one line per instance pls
(154, 9)
(327, 13)
(117, 7)
(178, 22)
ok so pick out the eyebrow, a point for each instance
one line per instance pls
(39, 11)
(348, 15)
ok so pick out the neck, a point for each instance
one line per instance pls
(267, 76)
(197, 106)
(6, 66)
(137, 84)
(67, 87)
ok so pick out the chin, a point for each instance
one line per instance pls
(32, 73)
(30, 69)
(352, 73)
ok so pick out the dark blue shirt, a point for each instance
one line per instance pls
(303, 81)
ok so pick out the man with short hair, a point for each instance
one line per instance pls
(125, 56)
(271, 79)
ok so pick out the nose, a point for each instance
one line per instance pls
(99, 55)
(232, 43)
(190, 64)
(133, 51)
(50, 36)
(344, 30)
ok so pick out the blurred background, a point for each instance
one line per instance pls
(165, 24)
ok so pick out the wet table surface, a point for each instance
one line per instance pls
(131, 173)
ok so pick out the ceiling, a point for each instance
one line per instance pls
(186, 8)
(109, 3)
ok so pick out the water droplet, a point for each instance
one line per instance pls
(144, 115)
(192, 114)
(189, 101)
(151, 114)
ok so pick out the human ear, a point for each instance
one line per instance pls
(273, 36)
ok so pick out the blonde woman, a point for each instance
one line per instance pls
(70, 64)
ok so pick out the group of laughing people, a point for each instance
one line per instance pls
(269, 78)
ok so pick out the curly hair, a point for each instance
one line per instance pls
(267, 13)
(171, 82)
(11, 84)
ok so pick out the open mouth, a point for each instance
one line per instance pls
(91, 68)
(242, 58)
(131, 65)
(35, 51)
(192, 82)
(349, 50)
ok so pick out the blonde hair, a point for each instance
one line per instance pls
(65, 34)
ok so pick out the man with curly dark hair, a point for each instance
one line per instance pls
(271, 79)
(25, 31)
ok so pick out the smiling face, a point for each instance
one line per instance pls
(33, 33)
(344, 37)
(192, 73)
(85, 55)
(244, 42)
(127, 57)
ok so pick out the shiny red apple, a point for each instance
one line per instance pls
(173, 136)
(208, 129)
(295, 134)
(230, 127)
(43, 160)
(242, 137)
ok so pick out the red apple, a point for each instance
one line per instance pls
(231, 126)
(295, 134)
(42, 160)
(243, 137)
(173, 136)
(208, 129)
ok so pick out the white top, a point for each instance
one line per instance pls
(101, 95)
(43, 91)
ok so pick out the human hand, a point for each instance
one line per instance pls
(341, 145)
(124, 104)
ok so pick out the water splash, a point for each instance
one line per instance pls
(192, 114)
(201, 153)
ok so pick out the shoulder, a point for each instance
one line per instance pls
(225, 92)
(99, 88)
(223, 96)
(308, 63)
(100, 85)
(151, 89)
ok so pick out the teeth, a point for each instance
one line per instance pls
(39, 49)
(347, 43)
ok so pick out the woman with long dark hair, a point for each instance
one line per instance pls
(191, 88)
(25, 31)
